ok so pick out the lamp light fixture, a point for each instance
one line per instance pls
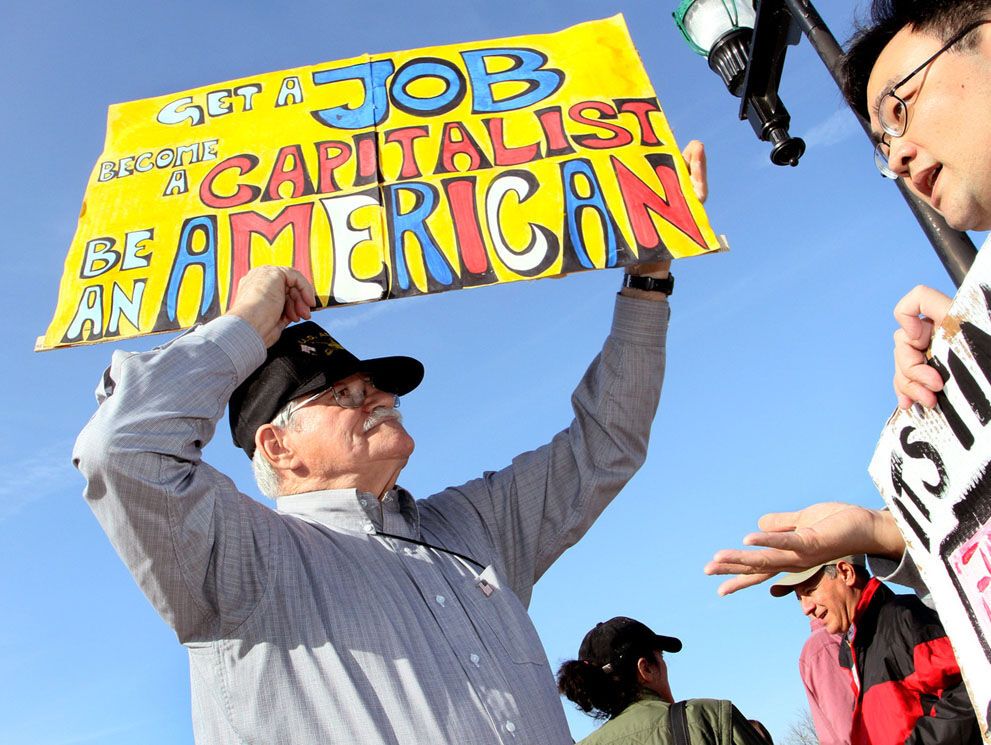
(720, 31)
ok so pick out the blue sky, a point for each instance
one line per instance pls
(778, 379)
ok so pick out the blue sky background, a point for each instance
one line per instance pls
(777, 387)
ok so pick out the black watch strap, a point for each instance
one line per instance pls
(650, 284)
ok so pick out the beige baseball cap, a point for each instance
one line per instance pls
(786, 582)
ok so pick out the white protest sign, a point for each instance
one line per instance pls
(931, 467)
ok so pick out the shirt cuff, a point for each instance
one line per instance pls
(642, 322)
(238, 340)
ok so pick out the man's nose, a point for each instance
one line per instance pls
(901, 152)
(807, 605)
(375, 398)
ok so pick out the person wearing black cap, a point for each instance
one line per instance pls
(352, 612)
(621, 675)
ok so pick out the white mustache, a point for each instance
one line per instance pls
(380, 414)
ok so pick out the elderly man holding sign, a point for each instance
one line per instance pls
(352, 612)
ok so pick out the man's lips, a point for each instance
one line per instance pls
(925, 181)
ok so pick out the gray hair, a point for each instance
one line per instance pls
(265, 475)
(860, 570)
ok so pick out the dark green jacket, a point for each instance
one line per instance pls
(710, 722)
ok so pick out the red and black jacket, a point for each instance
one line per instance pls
(906, 679)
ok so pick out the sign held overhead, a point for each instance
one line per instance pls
(380, 177)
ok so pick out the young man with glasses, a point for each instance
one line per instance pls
(902, 668)
(921, 72)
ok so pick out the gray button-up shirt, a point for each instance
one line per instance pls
(305, 624)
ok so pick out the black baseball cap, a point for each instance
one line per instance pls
(611, 641)
(304, 360)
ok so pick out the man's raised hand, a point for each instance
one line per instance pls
(694, 155)
(795, 541)
(270, 298)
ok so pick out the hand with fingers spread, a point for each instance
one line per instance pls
(795, 541)
(918, 314)
(272, 297)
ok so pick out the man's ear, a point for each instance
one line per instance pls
(644, 666)
(270, 443)
(846, 571)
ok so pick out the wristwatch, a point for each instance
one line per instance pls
(650, 284)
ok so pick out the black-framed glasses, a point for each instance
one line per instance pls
(892, 110)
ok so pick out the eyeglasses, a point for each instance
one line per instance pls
(892, 110)
(347, 395)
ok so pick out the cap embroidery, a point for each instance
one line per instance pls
(319, 345)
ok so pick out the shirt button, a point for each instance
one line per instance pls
(475, 659)
(369, 528)
(440, 600)
(363, 502)
(510, 727)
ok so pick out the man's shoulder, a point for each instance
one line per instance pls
(635, 724)
(899, 607)
(646, 721)
(907, 617)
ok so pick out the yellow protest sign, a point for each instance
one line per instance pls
(380, 177)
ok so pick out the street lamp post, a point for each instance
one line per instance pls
(746, 47)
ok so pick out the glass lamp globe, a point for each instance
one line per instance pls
(719, 30)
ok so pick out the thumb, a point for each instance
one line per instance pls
(921, 301)
(694, 155)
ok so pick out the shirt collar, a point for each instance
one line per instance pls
(351, 509)
(863, 604)
(865, 598)
(646, 694)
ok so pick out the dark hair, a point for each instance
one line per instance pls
(939, 18)
(761, 730)
(598, 693)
